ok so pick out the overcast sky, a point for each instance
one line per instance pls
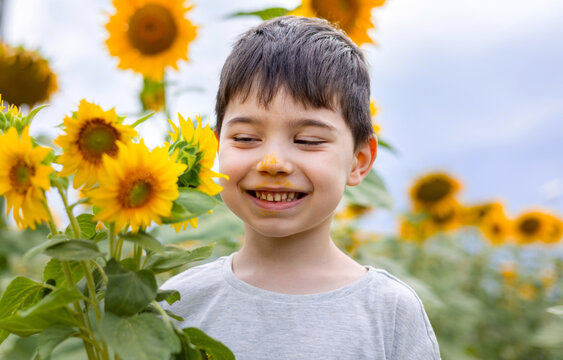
(472, 87)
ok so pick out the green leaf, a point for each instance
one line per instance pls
(44, 245)
(49, 311)
(34, 112)
(74, 249)
(100, 235)
(212, 347)
(143, 119)
(21, 293)
(386, 145)
(140, 337)
(143, 239)
(370, 192)
(87, 226)
(128, 292)
(221, 225)
(265, 14)
(50, 338)
(191, 203)
(171, 296)
(173, 257)
(55, 300)
(54, 270)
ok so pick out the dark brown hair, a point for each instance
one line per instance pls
(313, 61)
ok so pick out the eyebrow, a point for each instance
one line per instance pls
(291, 123)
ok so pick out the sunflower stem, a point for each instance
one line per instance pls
(112, 240)
(163, 313)
(80, 315)
(51, 222)
(138, 254)
(68, 209)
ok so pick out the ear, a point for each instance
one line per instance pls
(363, 160)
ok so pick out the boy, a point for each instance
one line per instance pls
(294, 129)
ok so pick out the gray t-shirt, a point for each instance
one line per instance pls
(375, 317)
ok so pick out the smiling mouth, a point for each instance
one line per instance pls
(277, 196)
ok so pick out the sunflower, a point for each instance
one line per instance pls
(90, 133)
(474, 215)
(531, 226)
(2, 107)
(353, 16)
(23, 178)
(149, 35)
(445, 220)
(136, 187)
(25, 77)
(197, 149)
(509, 272)
(415, 231)
(496, 228)
(554, 231)
(353, 211)
(434, 192)
(374, 109)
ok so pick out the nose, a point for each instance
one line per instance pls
(274, 165)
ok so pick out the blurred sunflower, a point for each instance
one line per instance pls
(415, 231)
(554, 231)
(496, 227)
(25, 77)
(531, 226)
(23, 178)
(149, 35)
(90, 133)
(136, 187)
(474, 215)
(509, 272)
(2, 107)
(446, 219)
(373, 109)
(434, 193)
(197, 149)
(353, 16)
(353, 211)
(527, 291)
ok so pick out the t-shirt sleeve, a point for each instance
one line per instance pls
(414, 338)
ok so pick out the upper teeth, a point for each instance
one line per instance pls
(276, 196)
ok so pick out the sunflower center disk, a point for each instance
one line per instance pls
(152, 29)
(139, 193)
(529, 226)
(97, 138)
(20, 176)
(433, 191)
(343, 12)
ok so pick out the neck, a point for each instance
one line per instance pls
(306, 250)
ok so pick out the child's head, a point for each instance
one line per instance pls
(294, 125)
(309, 59)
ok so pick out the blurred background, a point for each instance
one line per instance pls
(466, 91)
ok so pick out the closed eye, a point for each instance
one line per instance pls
(244, 139)
(309, 142)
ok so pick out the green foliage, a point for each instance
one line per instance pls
(191, 203)
(140, 337)
(370, 192)
(50, 338)
(74, 249)
(128, 292)
(172, 257)
(212, 348)
(265, 14)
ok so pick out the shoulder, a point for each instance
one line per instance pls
(412, 331)
(197, 277)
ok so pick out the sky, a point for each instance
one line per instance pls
(471, 87)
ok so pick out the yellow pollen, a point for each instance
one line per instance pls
(269, 161)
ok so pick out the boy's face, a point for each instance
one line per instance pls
(287, 165)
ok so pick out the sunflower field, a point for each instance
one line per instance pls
(99, 209)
